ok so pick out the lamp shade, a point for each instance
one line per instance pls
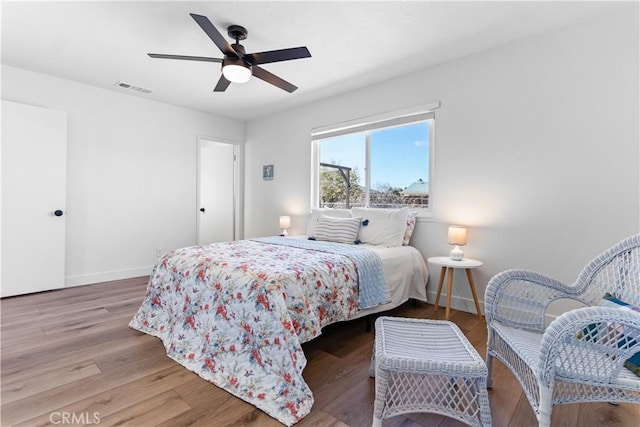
(457, 235)
(235, 70)
(285, 222)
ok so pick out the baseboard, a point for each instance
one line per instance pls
(458, 303)
(467, 305)
(106, 276)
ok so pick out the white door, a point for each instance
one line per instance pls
(34, 170)
(217, 188)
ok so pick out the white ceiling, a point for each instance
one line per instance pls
(352, 43)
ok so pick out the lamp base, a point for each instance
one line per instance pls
(456, 253)
(284, 233)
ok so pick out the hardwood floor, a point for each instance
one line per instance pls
(69, 358)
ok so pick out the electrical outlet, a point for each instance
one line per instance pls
(158, 252)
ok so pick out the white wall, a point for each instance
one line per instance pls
(537, 150)
(131, 180)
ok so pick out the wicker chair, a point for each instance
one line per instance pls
(579, 357)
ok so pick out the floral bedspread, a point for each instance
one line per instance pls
(236, 313)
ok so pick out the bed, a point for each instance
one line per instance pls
(237, 313)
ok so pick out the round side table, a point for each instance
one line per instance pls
(449, 265)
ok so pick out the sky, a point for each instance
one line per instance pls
(399, 155)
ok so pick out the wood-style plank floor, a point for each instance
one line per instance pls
(69, 358)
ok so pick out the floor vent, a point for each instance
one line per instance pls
(133, 87)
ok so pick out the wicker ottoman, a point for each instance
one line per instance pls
(428, 366)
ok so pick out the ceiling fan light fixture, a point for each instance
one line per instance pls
(236, 70)
(237, 65)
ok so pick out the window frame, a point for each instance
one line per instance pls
(367, 125)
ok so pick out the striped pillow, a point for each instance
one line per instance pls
(341, 230)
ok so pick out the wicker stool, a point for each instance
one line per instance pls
(428, 366)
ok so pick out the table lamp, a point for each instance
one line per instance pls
(285, 223)
(457, 236)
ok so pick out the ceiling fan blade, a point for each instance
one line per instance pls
(222, 85)
(277, 55)
(214, 34)
(263, 74)
(184, 57)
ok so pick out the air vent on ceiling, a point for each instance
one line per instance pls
(133, 87)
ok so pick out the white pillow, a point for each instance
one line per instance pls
(341, 230)
(384, 227)
(316, 212)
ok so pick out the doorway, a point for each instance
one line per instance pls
(217, 191)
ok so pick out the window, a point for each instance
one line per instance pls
(385, 163)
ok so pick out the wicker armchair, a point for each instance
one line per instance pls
(579, 357)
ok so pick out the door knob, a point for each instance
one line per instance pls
(202, 210)
(58, 213)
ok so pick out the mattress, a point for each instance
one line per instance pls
(406, 274)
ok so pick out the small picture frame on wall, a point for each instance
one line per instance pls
(267, 172)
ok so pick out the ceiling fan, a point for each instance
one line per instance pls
(237, 65)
